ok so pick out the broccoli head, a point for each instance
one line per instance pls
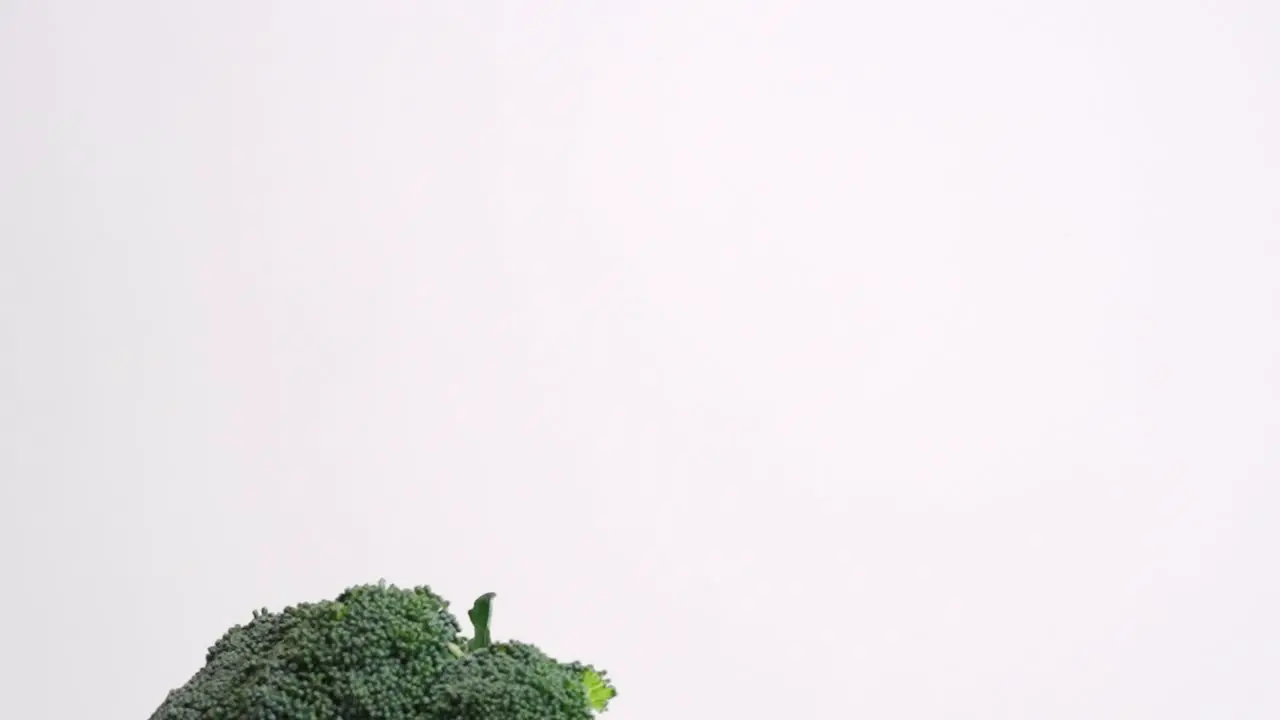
(379, 652)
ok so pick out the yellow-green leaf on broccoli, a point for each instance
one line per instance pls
(599, 690)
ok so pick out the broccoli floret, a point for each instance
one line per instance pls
(381, 653)
(510, 681)
(368, 655)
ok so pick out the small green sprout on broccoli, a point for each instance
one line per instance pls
(382, 653)
(480, 613)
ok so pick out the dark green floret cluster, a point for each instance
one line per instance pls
(513, 681)
(379, 652)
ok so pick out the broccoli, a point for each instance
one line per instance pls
(510, 681)
(379, 652)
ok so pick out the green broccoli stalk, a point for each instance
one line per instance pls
(382, 653)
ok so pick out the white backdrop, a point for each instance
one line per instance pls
(788, 359)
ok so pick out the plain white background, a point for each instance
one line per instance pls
(788, 359)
